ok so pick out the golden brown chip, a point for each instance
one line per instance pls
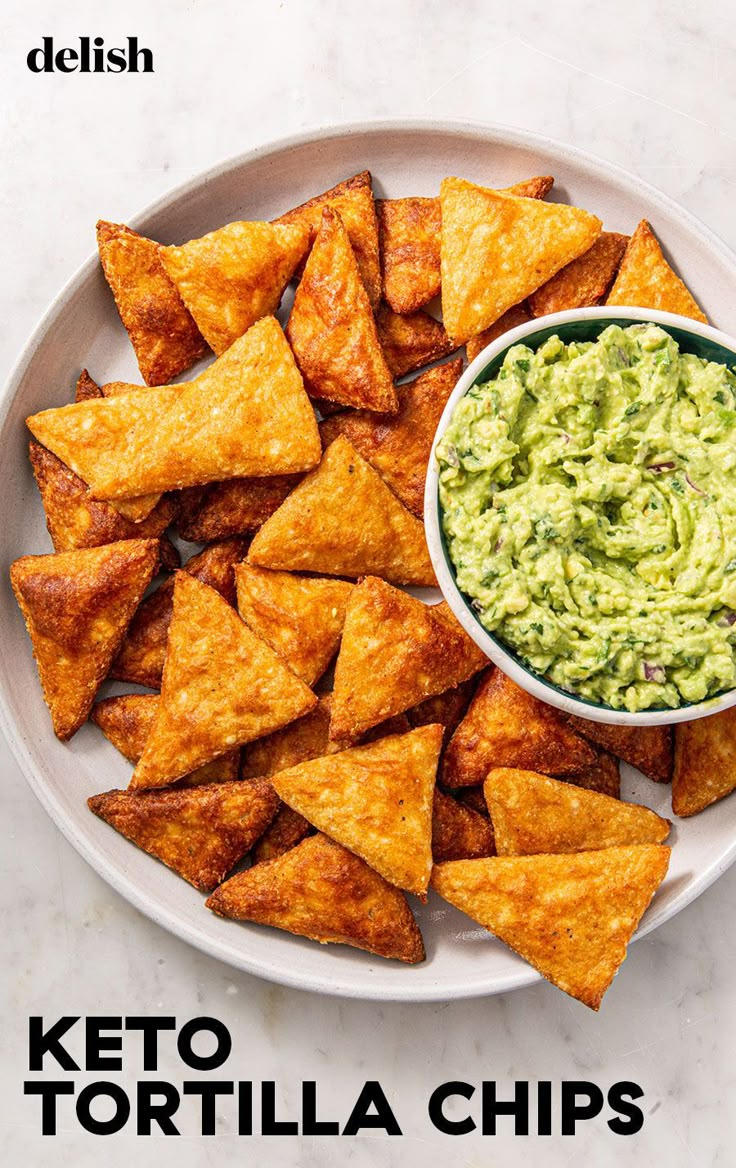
(473, 798)
(399, 446)
(126, 721)
(77, 606)
(287, 829)
(585, 281)
(376, 800)
(142, 653)
(408, 342)
(705, 762)
(506, 726)
(497, 248)
(300, 617)
(648, 748)
(395, 652)
(571, 917)
(76, 520)
(532, 813)
(512, 318)
(233, 507)
(306, 738)
(200, 832)
(321, 891)
(602, 776)
(221, 687)
(458, 833)
(342, 520)
(353, 201)
(232, 277)
(86, 388)
(165, 338)
(447, 709)
(331, 328)
(646, 280)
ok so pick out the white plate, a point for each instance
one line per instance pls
(82, 328)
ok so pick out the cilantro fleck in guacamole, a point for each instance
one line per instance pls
(589, 506)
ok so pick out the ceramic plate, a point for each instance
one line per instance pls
(82, 329)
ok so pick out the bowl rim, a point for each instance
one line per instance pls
(492, 646)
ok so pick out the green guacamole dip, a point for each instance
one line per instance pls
(589, 507)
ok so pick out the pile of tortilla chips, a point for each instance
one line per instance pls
(312, 745)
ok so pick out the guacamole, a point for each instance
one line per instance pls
(588, 499)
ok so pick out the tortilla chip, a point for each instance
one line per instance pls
(142, 653)
(498, 248)
(321, 891)
(165, 338)
(233, 507)
(398, 447)
(306, 738)
(353, 201)
(300, 617)
(602, 776)
(232, 277)
(126, 721)
(512, 318)
(342, 520)
(376, 800)
(86, 388)
(395, 652)
(331, 328)
(221, 687)
(473, 798)
(77, 606)
(448, 708)
(648, 748)
(646, 280)
(75, 520)
(532, 813)
(571, 917)
(287, 829)
(584, 282)
(506, 726)
(457, 832)
(408, 342)
(247, 414)
(200, 833)
(705, 762)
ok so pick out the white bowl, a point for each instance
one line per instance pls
(692, 336)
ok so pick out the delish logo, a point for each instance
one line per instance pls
(90, 57)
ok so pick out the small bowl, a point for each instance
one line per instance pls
(583, 324)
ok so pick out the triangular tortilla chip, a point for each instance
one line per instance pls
(458, 833)
(300, 617)
(165, 338)
(77, 606)
(648, 748)
(76, 520)
(142, 653)
(584, 282)
(331, 328)
(200, 833)
(321, 891)
(498, 248)
(515, 316)
(353, 201)
(409, 233)
(126, 721)
(532, 813)
(602, 776)
(646, 280)
(342, 520)
(506, 726)
(571, 917)
(395, 651)
(306, 738)
(408, 342)
(233, 507)
(375, 800)
(448, 708)
(86, 387)
(473, 798)
(287, 829)
(222, 686)
(232, 277)
(705, 762)
(399, 446)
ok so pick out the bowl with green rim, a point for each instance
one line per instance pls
(585, 324)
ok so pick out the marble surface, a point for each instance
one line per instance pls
(649, 85)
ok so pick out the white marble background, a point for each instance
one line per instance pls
(650, 84)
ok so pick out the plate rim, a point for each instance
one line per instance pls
(333, 984)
